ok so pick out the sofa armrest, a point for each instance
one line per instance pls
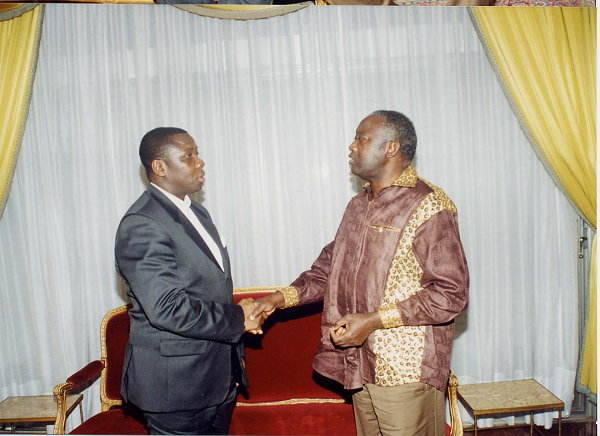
(86, 374)
(81, 377)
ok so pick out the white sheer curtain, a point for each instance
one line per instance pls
(273, 105)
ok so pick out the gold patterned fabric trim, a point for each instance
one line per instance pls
(381, 228)
(399, 348)
(408, 178)
(440, 197)
(290, 294)
(390, 317)
(294, 401)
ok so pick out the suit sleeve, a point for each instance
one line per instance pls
(146, 260)
(445, 280)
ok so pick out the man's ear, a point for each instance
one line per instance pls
(158, 167)
(392, 148)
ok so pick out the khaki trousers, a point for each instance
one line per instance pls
(413, 409)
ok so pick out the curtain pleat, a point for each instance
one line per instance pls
(545, 60)
(19, 39)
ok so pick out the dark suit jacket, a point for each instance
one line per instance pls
(185, 330)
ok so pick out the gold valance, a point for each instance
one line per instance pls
(242, 12)
(8, 11)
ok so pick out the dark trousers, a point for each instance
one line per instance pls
(213, 420)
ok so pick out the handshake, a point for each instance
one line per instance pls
(351, 330)
(257, 311)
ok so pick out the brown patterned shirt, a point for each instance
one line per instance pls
(398, 253)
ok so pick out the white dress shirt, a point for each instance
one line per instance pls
(184, 207)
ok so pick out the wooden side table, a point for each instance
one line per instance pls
(40, 408)
(507, 398)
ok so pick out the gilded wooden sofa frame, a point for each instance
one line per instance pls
(61, 390)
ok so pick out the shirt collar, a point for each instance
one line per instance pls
(408, 178)
(181, 204)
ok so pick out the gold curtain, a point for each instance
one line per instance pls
(588, 375)
(545, 60)
(19, 42)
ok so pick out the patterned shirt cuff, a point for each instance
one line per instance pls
(390, 317)
(290, 294)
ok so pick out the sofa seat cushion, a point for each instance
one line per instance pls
(114, 421)
(294, 419)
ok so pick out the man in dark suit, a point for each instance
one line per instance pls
(184, 357)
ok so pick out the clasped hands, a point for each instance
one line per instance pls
(351, 330)
(252, 324)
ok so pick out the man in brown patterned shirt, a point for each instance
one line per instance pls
(392, 282)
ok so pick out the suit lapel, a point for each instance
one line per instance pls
(189, 228)
(212, 231)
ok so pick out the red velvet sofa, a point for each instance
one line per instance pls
(285, 396)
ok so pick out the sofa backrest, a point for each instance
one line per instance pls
(114, 334)
(279, 362)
